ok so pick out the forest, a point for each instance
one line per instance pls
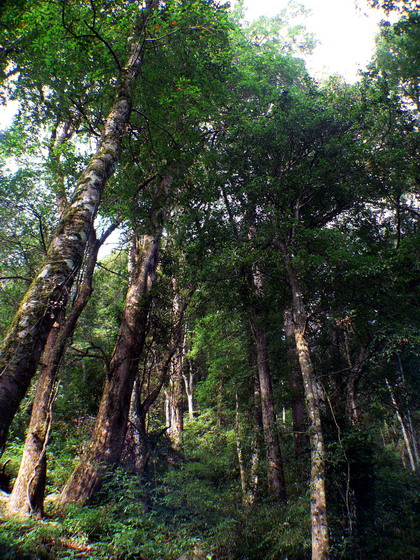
(208, 286)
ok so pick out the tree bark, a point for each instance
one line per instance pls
(137, 446)
(105, 447)
(175, 390)
(175, 403)
(249, 474)
(319, 522)
(275, 471)
(296, 387)
(144, 441)
(189, 390)
(406, 436)
(47, 295)
(29, 489)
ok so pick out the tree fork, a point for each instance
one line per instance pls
(29, 489)
(106, 444)
(47, 295)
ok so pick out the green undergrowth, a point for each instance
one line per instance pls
(193, 501)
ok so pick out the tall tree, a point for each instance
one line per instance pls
(29, 488)
(107, 440)
(27, 335)
(275, 469)
(47, 294)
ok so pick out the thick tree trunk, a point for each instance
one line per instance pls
(106, 443)
(319, 522)
(29, 489)
(296, 387)
(175, 393)
(47, 295)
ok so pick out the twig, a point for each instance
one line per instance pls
(105, 42)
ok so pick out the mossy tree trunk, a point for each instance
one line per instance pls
(47, 295)
(29, 489)
(319, 522)
(106, 444)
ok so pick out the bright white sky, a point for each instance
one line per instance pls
(346, 30)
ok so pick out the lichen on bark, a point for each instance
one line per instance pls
(26, 338)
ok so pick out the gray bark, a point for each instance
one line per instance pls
(175, 405)
(175, 392)
(319, 522)
(189, 390)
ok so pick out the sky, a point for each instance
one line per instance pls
(346, 30)
(346, 34)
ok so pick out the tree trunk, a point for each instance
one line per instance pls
(175, 392)
(275, 473)
(176, 415)
(137, 446)
(300, 436)
(403, 427)
(29, 489)
(355, 372)
(189, 390)
(407, 416)
(142, 439)
(240, 455)
(249, 474)
(62, 132)
(47, 295)
(107, 440)
(319, 523)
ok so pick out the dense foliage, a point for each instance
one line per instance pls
(283, 307)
